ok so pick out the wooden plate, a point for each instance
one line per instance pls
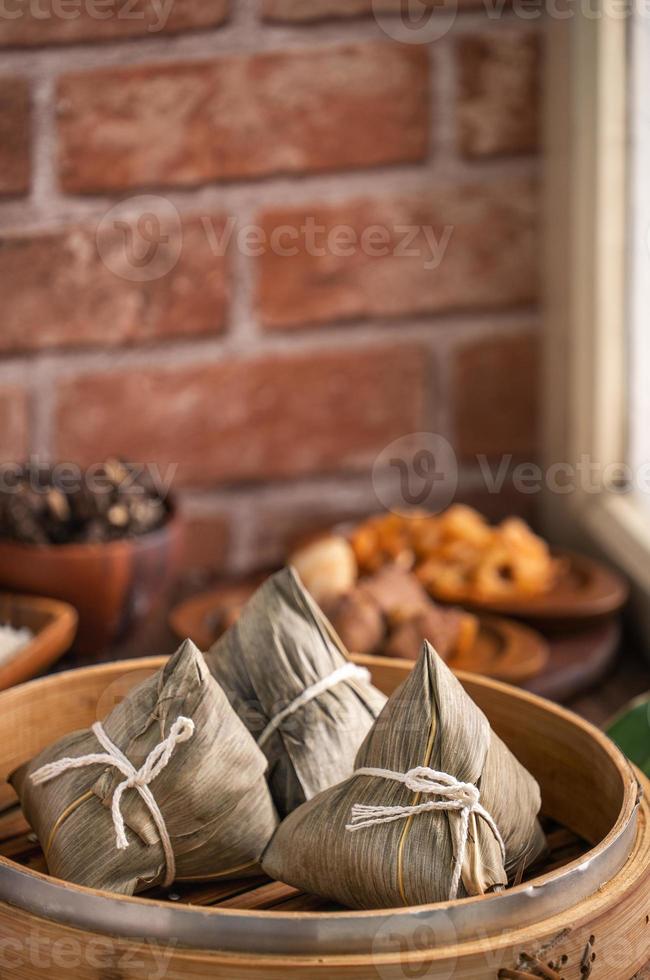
(199, 618)
(586, 590)
(53, 624)
(578, 661)
(504, 650)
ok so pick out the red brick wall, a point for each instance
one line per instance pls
(272, 371)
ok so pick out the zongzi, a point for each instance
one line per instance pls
(437, 808)
(289, 678)
(170, 786)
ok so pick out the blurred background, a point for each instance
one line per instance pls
(292, 256)
(270, 381)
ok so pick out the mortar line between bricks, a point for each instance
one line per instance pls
(338, 188)
(307, 490)
(430, 333)
(345, 487)
(446, 395)
(243, 35)
(243, 328)
(444, 97)
(43, 145)
(43, 410)
(267, 192)
(246, 15)
(452, 328)
(434, 408)
(241, 38)
(467, 21)
(241, 538)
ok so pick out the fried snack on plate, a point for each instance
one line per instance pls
(426, 534)
(365, 545)
(381, 540)
(463, 523)
(394, 539)
(459, 557)
(507, 573)
(450, 581)
(519, 565)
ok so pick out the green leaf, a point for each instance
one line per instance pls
(631, 732)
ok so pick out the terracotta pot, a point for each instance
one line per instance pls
(115, 586)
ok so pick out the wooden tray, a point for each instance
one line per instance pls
(504, 650)
(586, 591)
(590, 896)
(578, 661)
(54, 625)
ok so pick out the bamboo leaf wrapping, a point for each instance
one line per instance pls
(281, 645)
(213, 794)
(429, 721)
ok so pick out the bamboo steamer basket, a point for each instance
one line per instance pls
(586, 913)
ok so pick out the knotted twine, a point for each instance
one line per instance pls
(346, 672)
(461, 798)
(156, 761)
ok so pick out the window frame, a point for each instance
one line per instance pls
(585, 357)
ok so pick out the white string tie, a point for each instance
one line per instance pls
(139, 779)
(453, 797)
(344, 673)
